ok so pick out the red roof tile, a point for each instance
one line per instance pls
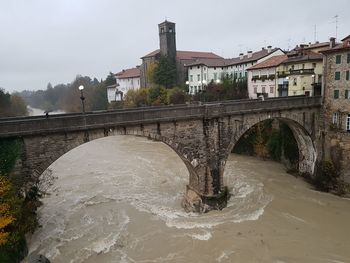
(233, 61)
(271, 62)
(339, 47)
(129, 73)
(195, 55)
(186, 54)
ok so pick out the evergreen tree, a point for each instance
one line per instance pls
(165, 72)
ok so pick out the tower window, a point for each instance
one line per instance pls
(170, 30)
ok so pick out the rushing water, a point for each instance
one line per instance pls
(36, 112)
(117, 199)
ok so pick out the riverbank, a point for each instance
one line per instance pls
(18, 204)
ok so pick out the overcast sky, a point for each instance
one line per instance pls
(45, 41)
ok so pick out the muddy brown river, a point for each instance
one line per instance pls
(117, 199)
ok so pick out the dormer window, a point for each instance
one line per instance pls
(170, 30)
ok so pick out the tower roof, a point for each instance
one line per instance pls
(166, 22)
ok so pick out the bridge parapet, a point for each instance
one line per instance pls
(69, 122)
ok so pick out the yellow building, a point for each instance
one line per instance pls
(300, 74)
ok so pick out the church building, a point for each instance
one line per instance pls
(167, 47)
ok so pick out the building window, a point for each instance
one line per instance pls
(197, 66)
(255, 90)
(335, 118)
(263, 89)
(198, 77)
(205, 76)
(191, 77)
(347, 94)
(294, 82)
(314, 65)
(336, 94)
(348, 60)
(271, 89)
(348, 123)
(215, 76)
(337, 75)
(337, 59)
(347, 77)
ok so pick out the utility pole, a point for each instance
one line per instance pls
(336, 26)
(315, 34)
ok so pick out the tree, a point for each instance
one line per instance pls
(110, 80)
(157, 96)
(6, 216)
(151, 71)
(165, 72)
(176, 96)
(18, 106)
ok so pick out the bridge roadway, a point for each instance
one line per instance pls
(21, 126)
(202, 135)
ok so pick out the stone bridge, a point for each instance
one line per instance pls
(202, 135)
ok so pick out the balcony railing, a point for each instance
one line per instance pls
(302, 71)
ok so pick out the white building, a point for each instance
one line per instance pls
(203, 71)
(127, 79)
(262, 77)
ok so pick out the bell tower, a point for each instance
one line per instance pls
(167, 40)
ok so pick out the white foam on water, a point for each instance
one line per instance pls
(204, 237)
(224, 256)
(295, 218)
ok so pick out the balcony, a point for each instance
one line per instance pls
(302, 71)
(282, 74)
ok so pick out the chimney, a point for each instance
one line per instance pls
(249, 54)
(332, 42)
(269, 49)
(263, 48)
(241, 56)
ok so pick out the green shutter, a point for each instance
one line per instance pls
(348, 58)
(336, 94)
(337, 75)
(346, 94)
(347, 75)
(338, 59)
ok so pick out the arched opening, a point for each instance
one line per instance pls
(105, 187)
(280, 139)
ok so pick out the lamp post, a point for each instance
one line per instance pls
(81, 88)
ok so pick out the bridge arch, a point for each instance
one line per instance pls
(305, 143)
(41, 151)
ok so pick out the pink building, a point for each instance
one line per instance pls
(262, 79)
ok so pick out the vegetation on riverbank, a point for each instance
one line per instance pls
(11, 105)
(276, 141)
(17, 206)
(271, 141)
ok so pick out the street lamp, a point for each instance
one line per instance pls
(81, 88)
